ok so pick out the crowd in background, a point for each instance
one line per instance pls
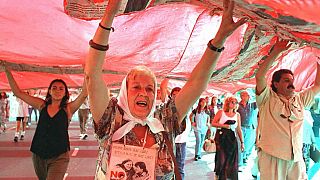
(12, 108)
(129, 120)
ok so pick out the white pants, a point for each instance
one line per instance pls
(273, 168)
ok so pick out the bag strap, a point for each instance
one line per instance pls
(169, 145)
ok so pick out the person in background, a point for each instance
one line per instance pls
(248, 118)
(281, 119)
(22, 116)
(255, 168)
(181, 139)
(219, 103)
(315, 113)
(131, 116)
(213, 109)
(4, 110)
(309, 140)
(83, 115)
(32, 109)
(50, 144)
(201, 122)
(167, 102)
(207, 101)
(228, 123)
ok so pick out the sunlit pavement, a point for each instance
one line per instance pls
(15, 158)
(203, 168)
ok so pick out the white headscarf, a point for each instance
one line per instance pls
(154, 124)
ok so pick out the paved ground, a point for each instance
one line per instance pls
(15, 158)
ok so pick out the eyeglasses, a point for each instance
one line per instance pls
(233, 102)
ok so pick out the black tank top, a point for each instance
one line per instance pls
(51, 137)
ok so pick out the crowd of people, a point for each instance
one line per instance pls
(134, 122)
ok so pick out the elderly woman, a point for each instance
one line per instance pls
(228, 122)
(128, 120)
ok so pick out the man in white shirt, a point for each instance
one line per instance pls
(281, 120)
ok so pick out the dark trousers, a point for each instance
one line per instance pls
(51, 169)
(83, 119)
(30, 109)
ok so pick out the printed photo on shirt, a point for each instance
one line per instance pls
(131, 163)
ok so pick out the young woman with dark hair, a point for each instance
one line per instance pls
(50, 145)
(127, 166)
(200, 119)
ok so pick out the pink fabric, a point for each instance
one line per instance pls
(303, 9)
(169, 39)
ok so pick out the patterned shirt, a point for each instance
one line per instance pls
(248, 118)
(4, 104)
(112, 119)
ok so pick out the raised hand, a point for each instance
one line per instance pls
(4, 66)
(113, 7)
(228, 26)
(280, 46)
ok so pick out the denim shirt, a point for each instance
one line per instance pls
(247, 114)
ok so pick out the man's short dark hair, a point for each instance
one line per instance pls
(277, 76)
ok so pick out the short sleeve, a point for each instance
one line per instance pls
(307, 97)
(263, 96)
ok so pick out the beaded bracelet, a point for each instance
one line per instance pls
(213, 48)
(106, 28)
(98, 46)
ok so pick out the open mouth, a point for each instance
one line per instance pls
(142, 103)
(291, 88)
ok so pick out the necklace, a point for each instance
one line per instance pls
(142, 141)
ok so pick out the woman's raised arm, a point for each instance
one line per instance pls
(31, 100)
(202, 72)
(74, 105)
(97, 89)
